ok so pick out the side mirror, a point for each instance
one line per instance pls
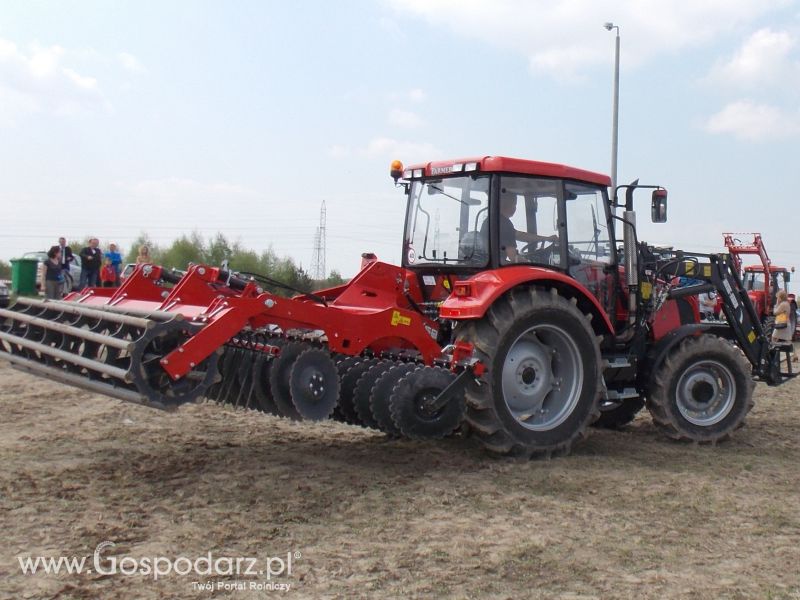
(658, 209)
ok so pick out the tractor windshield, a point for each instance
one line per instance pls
(444, 222)
(754, 281)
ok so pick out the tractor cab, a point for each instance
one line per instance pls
(472, 215)
(754, 281)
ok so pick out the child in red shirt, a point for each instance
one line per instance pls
(108, 276)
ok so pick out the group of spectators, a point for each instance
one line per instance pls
(98, 267)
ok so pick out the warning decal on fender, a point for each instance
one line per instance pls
(398, 319)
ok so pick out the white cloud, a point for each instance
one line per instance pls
(131, 63)
(35, 80)
(563, 38)
(417, 95)
(391, 28)
(87, 83)
(385, 147)
(414, 95)
(747, 120)
(764, 58)
(43, 62)
(404, 118)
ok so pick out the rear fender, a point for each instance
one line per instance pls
(488, 286)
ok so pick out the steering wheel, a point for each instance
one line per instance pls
(539, 255)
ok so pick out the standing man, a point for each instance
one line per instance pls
(66, 254)
(116, 261)
(91, 259)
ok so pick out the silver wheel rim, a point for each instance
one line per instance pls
(542, 377)
(706, 393)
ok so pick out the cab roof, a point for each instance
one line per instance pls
(505, 164)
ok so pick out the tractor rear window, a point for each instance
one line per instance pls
(444, 222)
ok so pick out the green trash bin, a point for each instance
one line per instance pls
(23, 276)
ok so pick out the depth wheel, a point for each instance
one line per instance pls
(153, 381)
(702, 392)
(544, 374)
(410, 408)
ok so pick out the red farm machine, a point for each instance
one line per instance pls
(515, 317)
(762, 280)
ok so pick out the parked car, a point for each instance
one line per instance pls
(72, 277)
(4, 294)
(126, 271)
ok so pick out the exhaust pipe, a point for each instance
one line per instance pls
(631, 252)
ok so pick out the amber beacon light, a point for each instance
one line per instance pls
(396, 170)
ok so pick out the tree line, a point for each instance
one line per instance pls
(194, 248)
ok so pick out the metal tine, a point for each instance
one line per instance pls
(245, 374)
(224, 369)
(258, 367)
(260, 339)
(242, 381)
(229, 382)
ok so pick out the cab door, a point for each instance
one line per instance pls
(590, 254)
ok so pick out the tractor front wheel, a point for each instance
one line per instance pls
(544, 374)
(702, 392)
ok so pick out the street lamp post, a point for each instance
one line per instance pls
(628, 214)
(614, 113)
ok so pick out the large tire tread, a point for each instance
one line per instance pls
(482, 416)
(665, 415)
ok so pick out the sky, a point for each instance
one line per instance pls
(167, 117)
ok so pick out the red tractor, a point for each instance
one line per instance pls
(762, 289)
(515, 316)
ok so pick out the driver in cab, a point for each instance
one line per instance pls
(509, 236)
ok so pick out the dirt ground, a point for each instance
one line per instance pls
(627, 515)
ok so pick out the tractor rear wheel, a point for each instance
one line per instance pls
(620, 415)
(544, 374)
(702, 392)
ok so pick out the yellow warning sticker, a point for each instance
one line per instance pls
(689, 267)
(398, 319)
(751, 337)
(647, 290)
(706, 270)
(446, 283)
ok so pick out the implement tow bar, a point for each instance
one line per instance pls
(455, 389)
